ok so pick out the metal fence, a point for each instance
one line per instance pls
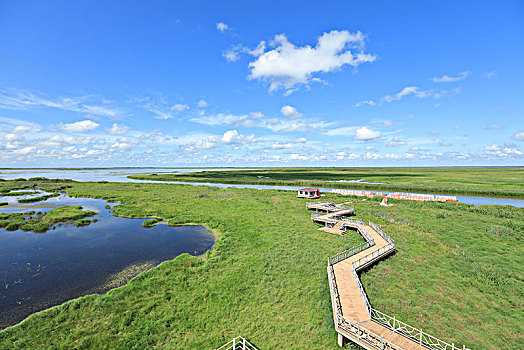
(237, 343)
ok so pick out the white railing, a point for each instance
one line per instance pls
(366, 235)
(411, 332)
(362, 292)
(366, 336)
(381, 233)
(347, 253)
(372, 256)
(237, 343)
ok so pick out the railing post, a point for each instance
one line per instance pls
(243, 343)
(234, 346)
(420, 337)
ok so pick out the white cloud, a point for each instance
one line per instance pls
(409, 90)
(231, 55)
(80, 126)
(290, 112)
(287, 65)
(229, 136)
(492, 148)
(493, 127)
(300, 140)
(202, 103)
(179, 107)
(448, 79)
(257, 115)
(278, 145)
(366, 102)
(222, 27)
(519, 136)
(395, 142)
(21, 129)
(365, 133)
(219, 119)
(117, 129)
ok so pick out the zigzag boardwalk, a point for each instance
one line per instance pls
(353, 316)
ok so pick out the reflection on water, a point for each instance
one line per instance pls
(38, 271)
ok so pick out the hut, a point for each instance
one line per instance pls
(310, 193)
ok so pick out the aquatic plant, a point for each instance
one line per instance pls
(150, 223)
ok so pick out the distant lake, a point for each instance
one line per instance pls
(120, 175)
(46, 269)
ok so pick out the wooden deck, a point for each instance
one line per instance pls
(352, 317)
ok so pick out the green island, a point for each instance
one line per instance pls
(150, 223)
(41, 222)
(457, 273)
(39, 198)
(485, 181)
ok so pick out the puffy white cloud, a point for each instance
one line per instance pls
(202, 103)
(80, 126)
(179, 107)
(492, 148)
(519, 136)
(364, 133)
(433, 132)
(300, 140)
(117, 129)
(448, 79)
(229, 136)
(287, 65)
(290, 112)
(222, 27)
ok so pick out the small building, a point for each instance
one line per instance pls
(310, 193)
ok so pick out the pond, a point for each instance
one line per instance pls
(40, 270)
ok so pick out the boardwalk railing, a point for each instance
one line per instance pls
(381, 233)
(237, 343)
(411, 332)
(372, 256)
(347, 253)
(355, 330)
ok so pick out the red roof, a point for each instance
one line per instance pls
(309, 189)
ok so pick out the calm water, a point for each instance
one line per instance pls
(120, 175)
(46, 269)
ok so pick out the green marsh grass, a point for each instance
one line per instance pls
(486, 181)
(266, 276)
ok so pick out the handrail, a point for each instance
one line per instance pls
(371, 256)
(366, 235)
(362, 292)
(410, 332)
(381, 233)
(366, 336)
(237, 343)
(347, 253)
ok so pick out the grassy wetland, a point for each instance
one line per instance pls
(457, 274)
(485, 181)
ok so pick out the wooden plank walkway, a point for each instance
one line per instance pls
(351, 310)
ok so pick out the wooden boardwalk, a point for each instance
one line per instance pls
(353, 316)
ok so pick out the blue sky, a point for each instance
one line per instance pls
(250, 83)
